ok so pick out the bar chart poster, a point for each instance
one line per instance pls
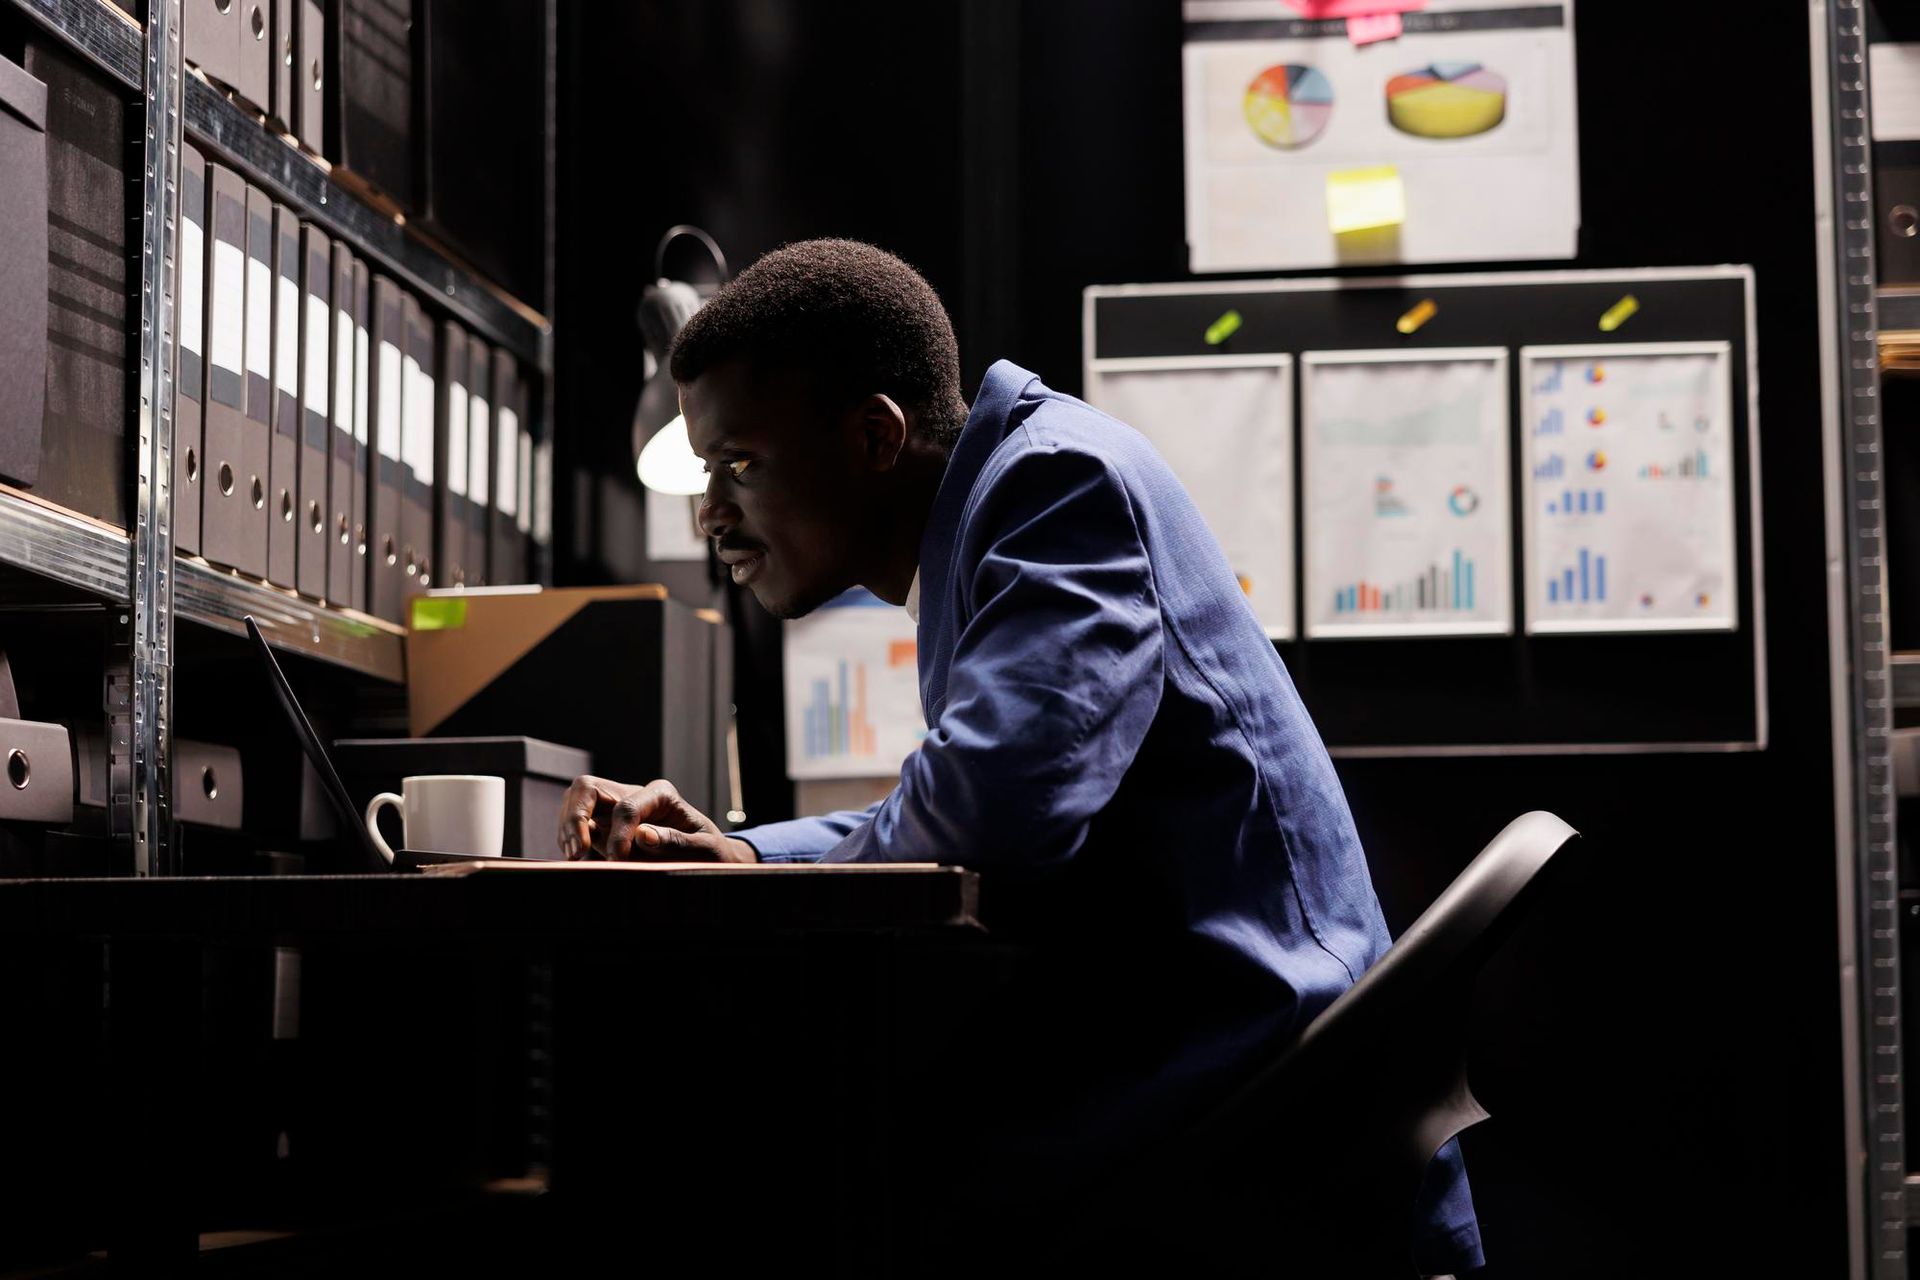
(1405, 466)
(1629, 488)
(853, 690)
(1225, 426)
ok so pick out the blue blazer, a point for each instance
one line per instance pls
(1114, 742)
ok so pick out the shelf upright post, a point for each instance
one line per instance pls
(1864, 803)
(151, 742)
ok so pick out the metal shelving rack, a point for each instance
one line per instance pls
(1864, 682)
(138, 569)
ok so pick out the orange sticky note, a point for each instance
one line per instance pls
(1366, 28)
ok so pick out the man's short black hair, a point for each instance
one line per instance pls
(855, 317)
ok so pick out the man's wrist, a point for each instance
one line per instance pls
(736, 850)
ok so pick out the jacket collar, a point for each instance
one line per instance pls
(996, 412)
(990, 421)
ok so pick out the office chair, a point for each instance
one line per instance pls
(1313, 1166)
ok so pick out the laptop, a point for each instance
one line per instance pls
(352, 824)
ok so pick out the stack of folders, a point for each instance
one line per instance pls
(271, 54)
(332, 436)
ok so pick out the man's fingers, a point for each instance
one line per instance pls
(650, 841)
(584, 795)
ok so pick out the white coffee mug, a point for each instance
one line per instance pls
(445, 813)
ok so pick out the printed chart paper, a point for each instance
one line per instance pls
(853, 690)
(1473, 106)
(1225, 426)
(1630, 500)
(1405, 481)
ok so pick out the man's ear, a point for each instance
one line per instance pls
(881, 431)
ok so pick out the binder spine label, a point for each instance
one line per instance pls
(343, 398)
(507, 463)
(419, 434)
(228, 338)
(193, 316)
(457, 416)
(360, 424)
(259, 331)
(523, 513)
(389, 441)
(286, 359)
(316, 371)
(482, 435)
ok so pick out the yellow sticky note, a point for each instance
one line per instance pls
(1365, 199)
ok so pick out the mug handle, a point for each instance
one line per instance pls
(373, 824)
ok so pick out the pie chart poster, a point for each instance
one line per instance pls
(1474, 106)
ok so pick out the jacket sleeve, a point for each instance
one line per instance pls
(804, 839)
(1055, 677)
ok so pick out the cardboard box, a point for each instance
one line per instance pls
(622, 673)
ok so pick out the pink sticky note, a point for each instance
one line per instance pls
(1353, 8)
(1367, 28)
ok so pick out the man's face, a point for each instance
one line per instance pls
(788, 499)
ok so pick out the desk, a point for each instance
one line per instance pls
(540, 903)
(658, 979)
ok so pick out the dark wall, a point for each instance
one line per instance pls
(1669, 1067)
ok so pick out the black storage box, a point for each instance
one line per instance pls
(23, 272)
(85, 461)
(370, 127)
(537, 775)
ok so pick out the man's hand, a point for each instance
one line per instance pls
(652, 823)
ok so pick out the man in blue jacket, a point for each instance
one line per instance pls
(1112, 739)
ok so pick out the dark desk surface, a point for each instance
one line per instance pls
(556, 902)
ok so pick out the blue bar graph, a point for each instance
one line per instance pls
(1583, 582)
(1552, 382)
(1553, 423)
(1552, 469)
(1578, 502)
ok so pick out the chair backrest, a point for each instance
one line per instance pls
(1401, 1026)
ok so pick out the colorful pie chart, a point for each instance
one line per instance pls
(1446, 100)
(1288, 106)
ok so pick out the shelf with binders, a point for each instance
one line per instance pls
(103, 33)
(219, 598)
(233, 134)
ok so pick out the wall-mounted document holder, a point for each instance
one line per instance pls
(1519, 529)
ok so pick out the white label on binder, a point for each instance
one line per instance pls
(343, 362)
(506, 469)
(482, 447)
(286, 343)
(229, 313)
(192, 281)
(419, 436)
(259, 318)
(361, 425)
(389, 442)
(457, 438)
(524, 517)
(316, 355)
(543, 492)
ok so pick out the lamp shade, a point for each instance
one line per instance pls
(668, 463)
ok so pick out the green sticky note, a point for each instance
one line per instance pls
(1223, 328)
(1365, 199)
(439, 613)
